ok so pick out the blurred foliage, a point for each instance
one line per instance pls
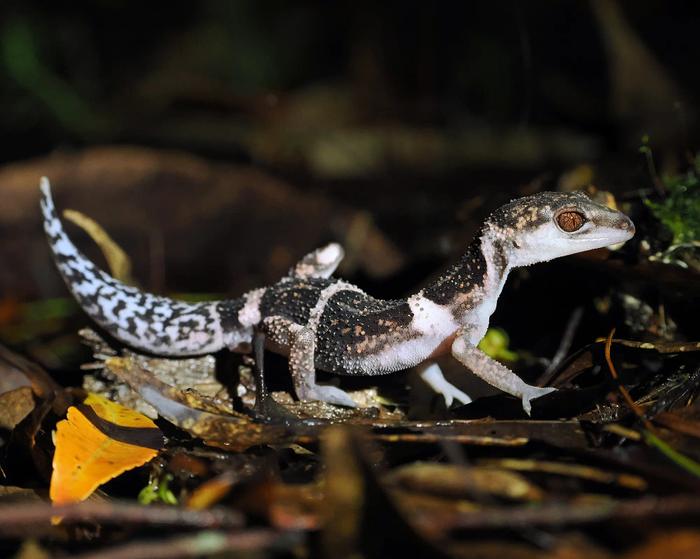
(679, 211)
(495, 344)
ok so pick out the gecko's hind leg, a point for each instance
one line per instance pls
(495, 373)
(301, 365)
(321, 263)
(431, 373)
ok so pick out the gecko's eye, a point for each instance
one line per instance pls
(570, 221)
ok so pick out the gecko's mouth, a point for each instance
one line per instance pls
(623, 230)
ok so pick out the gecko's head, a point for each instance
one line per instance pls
(552, 224)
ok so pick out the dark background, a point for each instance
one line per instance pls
(202, 75)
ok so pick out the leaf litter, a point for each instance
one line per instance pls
(614, 448)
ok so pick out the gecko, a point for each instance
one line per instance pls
(321, 322)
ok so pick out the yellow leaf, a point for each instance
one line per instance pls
(96, 442)
(116, 413)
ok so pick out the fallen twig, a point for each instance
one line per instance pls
(563, 514)
(38, 516)
(194, 545)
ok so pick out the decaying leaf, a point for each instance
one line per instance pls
(451, 480)
(15, 405)
(96, 442)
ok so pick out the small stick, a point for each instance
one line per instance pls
(622, 388)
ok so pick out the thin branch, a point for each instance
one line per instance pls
(205, 543)
(37, 516)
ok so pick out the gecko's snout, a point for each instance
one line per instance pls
(626, 224)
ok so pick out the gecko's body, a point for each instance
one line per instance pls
(325, 323)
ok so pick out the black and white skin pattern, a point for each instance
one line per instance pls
(325, 323)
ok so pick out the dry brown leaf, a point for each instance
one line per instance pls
(15, 405)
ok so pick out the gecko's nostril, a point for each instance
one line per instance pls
(626, 224)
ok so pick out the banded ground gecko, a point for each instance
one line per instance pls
(322, 322)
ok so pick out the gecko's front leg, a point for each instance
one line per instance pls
(495, 373)
(431, 373)
(301, 365)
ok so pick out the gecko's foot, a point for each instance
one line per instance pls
(451, 393)
(532, 392)
(328, 394)
(433, 376)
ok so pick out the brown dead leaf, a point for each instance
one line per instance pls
(15, 405)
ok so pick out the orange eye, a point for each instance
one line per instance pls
(570, 221)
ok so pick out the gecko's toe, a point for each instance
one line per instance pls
(432, 375)
(532, 393)
(330, 395)
(451, 393)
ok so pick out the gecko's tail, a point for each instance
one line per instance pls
(144, 321)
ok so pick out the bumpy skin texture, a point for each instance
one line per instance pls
(326, 323)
